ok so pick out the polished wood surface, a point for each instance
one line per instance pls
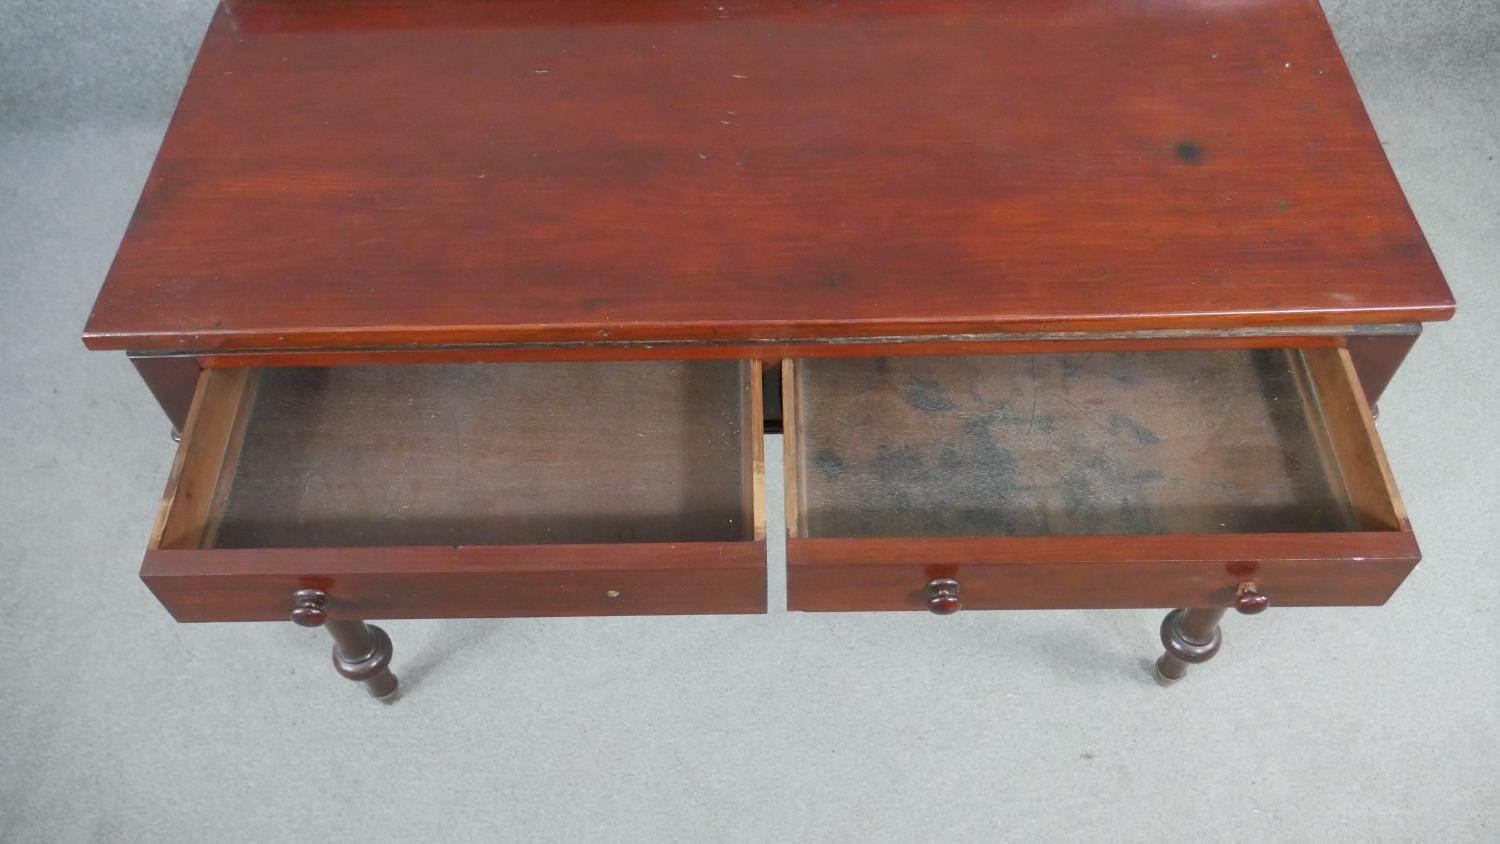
(1190, 637)
(361, 652)
(1378, 357)
(391, 173)
(1098, 572)
(471, 581)
(1249, 599)
(171, 380)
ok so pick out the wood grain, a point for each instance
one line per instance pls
(1361, 458)
(753, 448)
(793, 464)
(208, 439)
(396, 173)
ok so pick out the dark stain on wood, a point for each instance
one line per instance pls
(926, 395)
(827, 462)
(1121, 443)
(899, 465)
(1189, 152)
(1142, 434)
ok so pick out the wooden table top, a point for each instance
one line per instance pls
(458, 171)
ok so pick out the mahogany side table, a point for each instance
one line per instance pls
(472, 309)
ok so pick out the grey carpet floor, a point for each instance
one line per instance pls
(116, 724)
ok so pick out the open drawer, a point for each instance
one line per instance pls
(1139, 479)
(467, 490)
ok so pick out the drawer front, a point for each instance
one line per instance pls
(1117, 480)
(467, 490)
(469, 582)
(1096, 572)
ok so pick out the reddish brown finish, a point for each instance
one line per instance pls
(1089, 572)
(308, 610)
(387, 173)
(1249, 600)
(944, 598)
(1190, 637)
(172, 381)
(198, 577)
(362, 653)
(1378, 357)
(464, 582)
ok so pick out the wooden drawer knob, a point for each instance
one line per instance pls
(943, 598)
(1248, 598)
(309, 607)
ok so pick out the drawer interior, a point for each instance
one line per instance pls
(1231, 441)
(471, 454)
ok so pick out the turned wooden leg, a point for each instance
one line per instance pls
(1192, 636)
(361, 652)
